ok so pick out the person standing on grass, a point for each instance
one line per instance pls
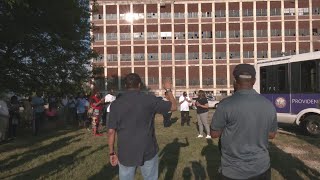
(132, 119)
(108, 99)
(245, 121)
(166, 116)
(82, 105)
(202, 114)
(184, 101)
(96, 104)
(38, 110)
(4, 119)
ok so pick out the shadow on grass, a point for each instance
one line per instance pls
(198, 170)
(212, 155)
(107, 172)
(20, 159)
(288, 166)
(57, 165)
(186, 173)
(26, 139)
(300, 133)
(169, 157)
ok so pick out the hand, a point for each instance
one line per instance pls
(114, 160)
(167, 84)
(197, 103)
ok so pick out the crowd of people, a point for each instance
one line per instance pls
(243, 123)
(37, 111)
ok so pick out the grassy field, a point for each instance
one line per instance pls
(72, 153)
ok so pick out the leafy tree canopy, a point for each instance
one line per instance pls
(44, 45)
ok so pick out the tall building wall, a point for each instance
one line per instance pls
(197, 44)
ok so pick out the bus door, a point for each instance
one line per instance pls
(274, 85)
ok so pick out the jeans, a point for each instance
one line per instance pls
(185, 118)
(203, 121)
(149, 170)
(167, 119)
(38, 118)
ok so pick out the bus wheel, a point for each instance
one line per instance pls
(312, 125)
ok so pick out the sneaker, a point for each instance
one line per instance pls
(208, 137)
(200, 136)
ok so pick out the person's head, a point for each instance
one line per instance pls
(201, 94)
(245, 76)
(132, 81)
(38, 93)
(184, 94)
(14, 99)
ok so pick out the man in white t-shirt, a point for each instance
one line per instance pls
(184, 101)
(4, 119)
(108, 99)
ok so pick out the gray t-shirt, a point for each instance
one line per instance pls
(132, 116)
(246, 118)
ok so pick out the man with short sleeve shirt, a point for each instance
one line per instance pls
(132, 119)
(245, 121)
(184, 101)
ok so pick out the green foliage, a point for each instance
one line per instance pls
(44, 45)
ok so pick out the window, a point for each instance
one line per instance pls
(125, 36)
(234, 55)
(206, 14)
(275, 12)
(138, 57)
(96, 16)
(111, 16)
(193, 35)
(274, 79)
(247, 12)
(152, 56)
(316, 10)
(275, 32)
(234, 34)
(180, 56)
(166, 35)
(262, 33)
(153, 80)
(261, 12)
(152, 35)
(290, 32)
(166, 56)
(179, 35)
(262, 54)
(98, 36)
(289, 11)
(165, 15)
(220, 34)
(152, 15)
(179, 15)
(220, 55)
(305, 77)
(220, 13)
(276, 53)
(248, 33)
(112, 57)
(99, 58)
(138, 36)
(193, 56)
(233, 13)
(125, 57)
(111, 36)
(303, 11)
(304, 32)
(192, 14)
(248, 54)
(206, 34)
(207, 55)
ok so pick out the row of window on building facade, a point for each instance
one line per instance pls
(217, 14)
(204, 34)
(195, 56)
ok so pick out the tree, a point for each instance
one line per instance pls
(44, 45)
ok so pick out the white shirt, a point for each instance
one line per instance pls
(185, 105)
(109, 98)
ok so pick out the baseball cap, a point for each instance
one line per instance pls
(245, 71)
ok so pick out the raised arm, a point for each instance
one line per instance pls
(167, 87)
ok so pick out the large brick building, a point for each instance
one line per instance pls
(198, 43)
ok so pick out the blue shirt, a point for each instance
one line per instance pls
(82, 103)
(37, 103)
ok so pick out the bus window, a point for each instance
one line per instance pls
(263, 80)
(318, 77)
(308, 76)
(282, 78)
(267, 84)
(295, 77)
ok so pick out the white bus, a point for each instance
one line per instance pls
(292, 84)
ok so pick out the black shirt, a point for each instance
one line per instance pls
(132, 116)
(202, 101)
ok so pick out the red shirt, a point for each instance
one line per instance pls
(94, 100)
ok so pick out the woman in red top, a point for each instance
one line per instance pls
(96, 103)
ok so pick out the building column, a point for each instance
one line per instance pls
(283, 35)
(241, 32)
(214, 51)
(228, 48)
(131, 39)
(118, 44)
(311, 26)
(173, 50)
(297, 26)
(146, 67)
(186, 46)
(159, 47)
(269, 30)
(255, 46)
(105, 49)
(200, 46)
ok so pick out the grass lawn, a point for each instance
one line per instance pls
(72, 153)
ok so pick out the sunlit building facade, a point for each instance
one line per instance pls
(197, 44)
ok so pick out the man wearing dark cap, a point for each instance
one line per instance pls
(245, 121)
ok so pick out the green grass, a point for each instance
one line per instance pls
(72, 153)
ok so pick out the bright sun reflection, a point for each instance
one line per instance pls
(130, 17)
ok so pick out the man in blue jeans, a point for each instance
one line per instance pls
(132, 119)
